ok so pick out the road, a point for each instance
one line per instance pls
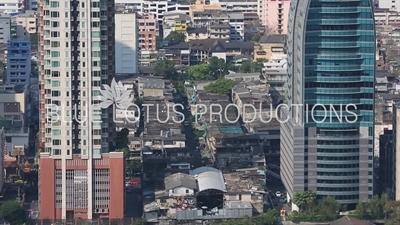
(133, 204)
(275, 185)
(191, 142)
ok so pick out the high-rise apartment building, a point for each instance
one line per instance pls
(331, 62)
(147, 33)
(5, 28)
(274, 15)
(18, 62)
(77, 50)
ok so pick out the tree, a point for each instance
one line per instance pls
(217, 67)
(377, 206)
(328, 208)
(268, 218)
(165, 68)
(13, 213)
(199, 72)
(127, 153)
(158, 42)
(305, 200)
(176, 37)
(139, 222)
(220, 86)
(392, 209)
(256, 38)
(245, 67)
(362, 211)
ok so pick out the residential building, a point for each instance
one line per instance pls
(202, 50)
(126, 43)
(219, 30)
(393, 5)
(175, 21)
(386, 17)
(18, 62)
(147, 33)
(157, 8)
(77, 57)
(200, 33)
(326, 155)
(14, 119)
(5, 28)
(10, 6)
(200, 13)
(275, 75)
(151, 87)
(31, 5)
(26, 25)
(269, 45)
(243, 77)
(238, 6)
(236, 21)
(148, 57)
(275, 15)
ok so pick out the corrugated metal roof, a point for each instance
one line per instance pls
(209, 178)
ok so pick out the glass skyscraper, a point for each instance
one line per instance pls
(331, 64)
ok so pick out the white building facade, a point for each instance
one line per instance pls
(126, 43)
(5, 28)
(10, 6)
(393, 5)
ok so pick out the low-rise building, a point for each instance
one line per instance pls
(26, 24)
(269, 45)
(275, 74)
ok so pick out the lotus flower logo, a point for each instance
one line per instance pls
(116, 95)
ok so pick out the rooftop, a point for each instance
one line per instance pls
(245, 181)
(179, 180)
(152, 83)
(276, 38)
(13, 89)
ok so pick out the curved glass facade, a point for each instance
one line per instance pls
(331, 48)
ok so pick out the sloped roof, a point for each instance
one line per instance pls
(347, 220)
(179, 180)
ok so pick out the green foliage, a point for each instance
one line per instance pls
(199, 72)
(13, 213)
(374, 209)
(165, 68)
(269, 218)
(326, 210)
(122, 139)
(199, 133)
(305, 200)
(217, 67)
(392, 210)
(256, 38)
(139, 222)
(176, 37)
(252, 67)
(220, 86)
(125, 151)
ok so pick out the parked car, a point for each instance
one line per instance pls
(278, 194)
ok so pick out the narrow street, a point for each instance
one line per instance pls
(192, 142)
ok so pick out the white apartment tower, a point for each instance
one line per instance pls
(126, 43)
(76, 51)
